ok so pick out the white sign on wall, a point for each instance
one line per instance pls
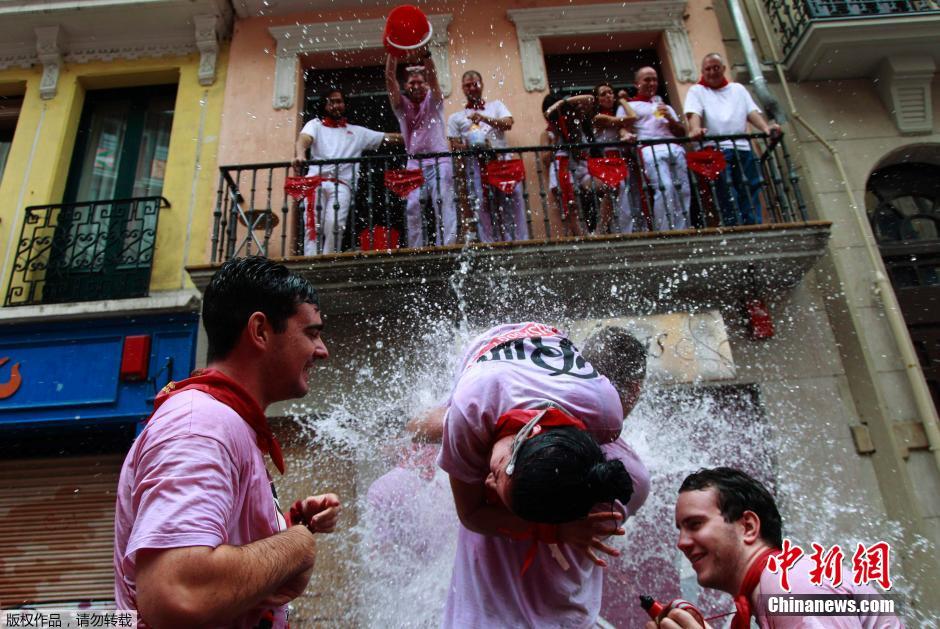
(681, 347)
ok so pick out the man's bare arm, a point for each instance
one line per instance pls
(393, 139)
(500, 124)
(391, 81)
(429, 428)
(433, 81)
(760, 123)
(478, 516)
(303, 143)
(696, 130)
(202, 586)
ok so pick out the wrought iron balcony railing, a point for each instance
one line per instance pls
(503, 195)
(85, 251)
(791, 18)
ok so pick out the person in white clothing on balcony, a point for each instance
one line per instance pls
(483, 123)
(664, 164)
(332, 137)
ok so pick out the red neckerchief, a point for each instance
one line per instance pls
(742, 602)
(724, 83)
(306, 188)
(479, 105)
(511, 422)
(645, 99)
(233, 395)
(333, 123)
(607, 112)
(508, 424)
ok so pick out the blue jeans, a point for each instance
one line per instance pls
(739, 189)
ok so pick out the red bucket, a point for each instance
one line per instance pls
(406, 29)
(382, 237)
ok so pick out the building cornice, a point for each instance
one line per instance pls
(52, 33)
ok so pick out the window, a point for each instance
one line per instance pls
(9, 113)
(579, 73)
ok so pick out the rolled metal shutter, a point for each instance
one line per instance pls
(57, 529)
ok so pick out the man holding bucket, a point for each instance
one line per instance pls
(419, 108)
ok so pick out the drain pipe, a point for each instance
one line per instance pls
(766, 98)
(881, 286)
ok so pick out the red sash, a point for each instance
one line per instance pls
(504, 174)
(306, 187)
(564, 185)
(610, 170)
(402, 181)
(230, 393)
(709, 163)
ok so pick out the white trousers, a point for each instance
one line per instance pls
(500, 217)
(332, 210)
(438, 189)
(668, 177)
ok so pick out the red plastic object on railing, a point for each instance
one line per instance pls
(382, 237)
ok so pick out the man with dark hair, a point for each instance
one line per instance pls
(420, 113)
(332, 137)
(199, 538)
(729, 527)
(621, 357)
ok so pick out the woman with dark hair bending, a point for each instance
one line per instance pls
(535, 492)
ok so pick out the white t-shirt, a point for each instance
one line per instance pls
(458, 125)
(339, 142)
(723, 111)
(648, 126)
(516, 366)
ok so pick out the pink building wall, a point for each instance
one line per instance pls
(482, 38)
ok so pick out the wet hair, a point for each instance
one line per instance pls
(597, 92)
(617, 354)
(561, 474)
(411, 71)
(737, 493)
(473, 73)
(325, 97)
(243, 286)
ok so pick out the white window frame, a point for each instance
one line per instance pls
(666, 16)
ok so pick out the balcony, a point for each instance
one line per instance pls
(844, 39)
(85, 251)
(376, 271)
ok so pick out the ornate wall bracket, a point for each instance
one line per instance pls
(207, 41)
(630, 17)
(904, 83)
(49, 52)
(299, 39)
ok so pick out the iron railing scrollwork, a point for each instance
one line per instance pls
(85, 251)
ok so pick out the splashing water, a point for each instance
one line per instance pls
(395, 560)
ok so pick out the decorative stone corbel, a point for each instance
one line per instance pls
(680, 51)
(439, 47)
(904, 85)
(49, 51)
(207, 41)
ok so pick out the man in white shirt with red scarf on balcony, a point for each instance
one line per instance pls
(716, 106)
(332, 137)
(482, 123)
